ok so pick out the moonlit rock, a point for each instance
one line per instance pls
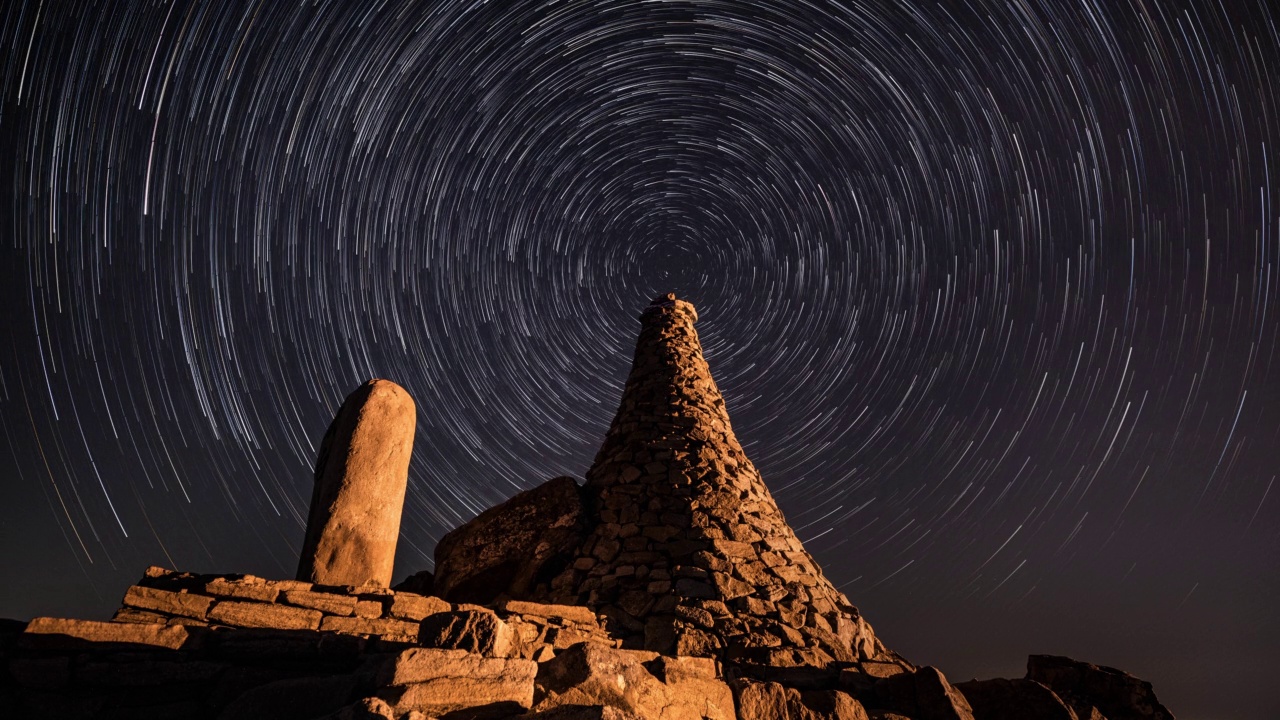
(361, 475)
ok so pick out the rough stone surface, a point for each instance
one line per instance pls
(505, 550)
(476, 631)
(262, 615)
(1114, 693)
(592, 675)
(170, 603)
(422, 582)
(361, 475)
(1016, 699)
(371, 708)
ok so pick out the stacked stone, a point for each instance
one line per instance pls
(247, 601)
(165, 656)
(391, 620)
(691, 554)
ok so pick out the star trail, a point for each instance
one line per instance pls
(990, 289)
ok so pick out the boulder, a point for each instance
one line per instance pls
(510, 548)
(437, 682)
(360, 480)
(476, 631)
(1085, 687)
(589, 674)
(408, 606)
(773, 701)
(1002, 699)
(922, 695)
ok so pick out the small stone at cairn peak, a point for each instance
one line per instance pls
(360, 481)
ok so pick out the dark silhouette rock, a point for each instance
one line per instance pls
(1114, 693)
(1015, 699)
(922, 695)
(421, 582)
(508, 549)
(360, 480)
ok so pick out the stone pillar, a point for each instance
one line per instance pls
(361, 475)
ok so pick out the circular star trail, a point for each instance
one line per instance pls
(990, 289)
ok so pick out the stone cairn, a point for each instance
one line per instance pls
(691, 554)
(668, 587)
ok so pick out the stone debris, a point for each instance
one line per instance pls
(360, 482)
(668, 587)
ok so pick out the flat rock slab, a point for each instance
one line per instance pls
(167, 602)
(62, 633)
(263, 615)
(437, 682)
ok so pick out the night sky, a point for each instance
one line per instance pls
(990, 289)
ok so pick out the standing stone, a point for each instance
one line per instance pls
(361, 475)
(1093, 689)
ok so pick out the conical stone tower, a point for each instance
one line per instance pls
(690, 554)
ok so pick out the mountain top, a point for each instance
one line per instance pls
(667, 586)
